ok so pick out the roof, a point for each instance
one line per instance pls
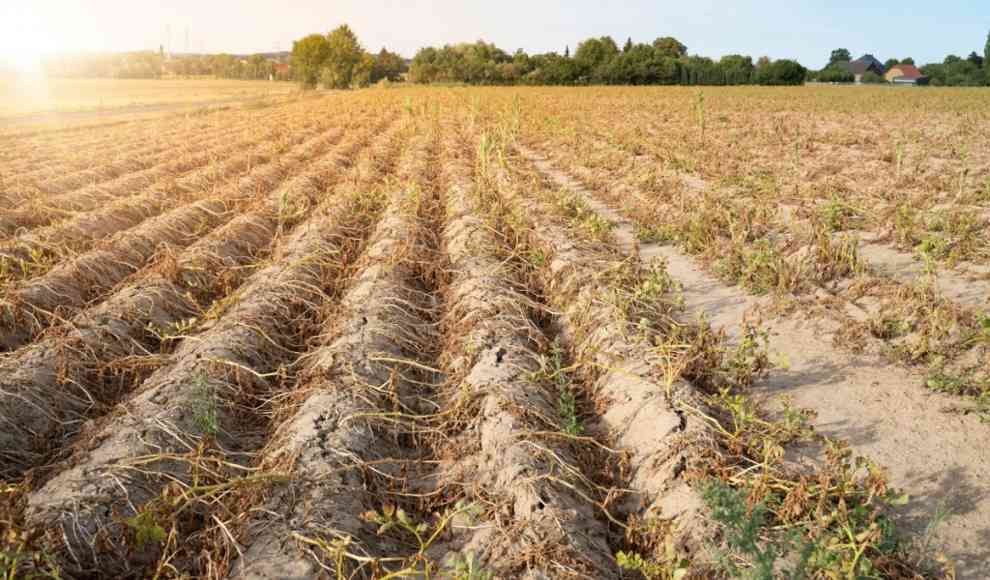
(908, 71)
(869, 58)
(858, 67)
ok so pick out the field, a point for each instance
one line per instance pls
(477, 333)
(20, 96)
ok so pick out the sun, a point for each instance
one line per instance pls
(25, 40)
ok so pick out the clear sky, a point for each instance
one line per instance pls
(803, 29)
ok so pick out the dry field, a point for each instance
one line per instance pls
(21, 96)
(501, 333)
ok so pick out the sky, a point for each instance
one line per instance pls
(806, 30)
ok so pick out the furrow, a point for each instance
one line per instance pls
(81, 154)
(348, 391)
(939, 314)
(56, 295)
(14, 198)
(642, 409)
(130, 139)
(203, 398)
(555, 530)
(848, 392)
(45, 210)
(61, 175)
(51, 386)
(51, 190)
(36, 251)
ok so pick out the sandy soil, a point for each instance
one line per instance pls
(882, 410)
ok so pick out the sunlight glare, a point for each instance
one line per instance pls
(25, 40)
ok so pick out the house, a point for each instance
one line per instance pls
(280, 71)
(862, 65)
(905, 74)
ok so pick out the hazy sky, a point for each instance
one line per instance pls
(804, 29)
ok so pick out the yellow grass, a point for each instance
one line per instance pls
(24, 96)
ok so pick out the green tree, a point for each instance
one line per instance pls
(258, 67)
(907, 60)
(737, 69)
(522, 62)
(628, 46)
(388, 66)
(839, 55)
(363, 71)
(835, 74)
(890, 63)
(593, 56)
(425, 66)
(344, 54)
(872, 78)
(308, 58)
(669, 46)
(780, 72)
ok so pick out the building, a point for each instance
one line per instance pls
(862, 65)
(905, 74)
(280, 71)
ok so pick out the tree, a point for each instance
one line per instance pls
(780, 72)
(225, 66)
(361, 76)
(258, 67)
(907, 60)
(986, 60)
(935, 73)
(835, 74)
(976, 59)
(593, 56)
(308, 57)
(839, 55)
(670, 47)
(872, 78)
(344, 53)
(891, 62)
(387, 66)
(737, 69)
(522, 62)
(628, 46)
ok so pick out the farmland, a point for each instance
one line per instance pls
(26, 95)
(477, 333)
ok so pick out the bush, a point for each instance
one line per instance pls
(781, 72)
(834, 74)
(872, 78)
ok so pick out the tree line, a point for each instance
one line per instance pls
(665, 61)
(338, 61)
(154, 65)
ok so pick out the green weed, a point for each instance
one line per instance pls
(205, 407)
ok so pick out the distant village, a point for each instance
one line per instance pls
(898, 74)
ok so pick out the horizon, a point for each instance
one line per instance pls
(711, 28)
